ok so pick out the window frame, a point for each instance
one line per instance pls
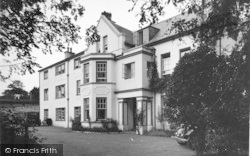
(45, 116)
(140, 38)
(149, 67)
(98, 47)
(62, 110)
(62, 70)
(57, 95)
(163, 57)
(46, 94)
(101, 109)
(125, 74)
(85, 78)
(77, 65)
(184, 51)
(77, 112)
(86, 109)
(105, 44)
(98, 79)
(78, 87)
(45, 74)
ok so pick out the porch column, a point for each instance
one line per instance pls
(141, 105)
(122, 114)
(149, 115)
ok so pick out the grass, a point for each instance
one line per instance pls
(160, 133)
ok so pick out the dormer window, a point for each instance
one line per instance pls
(105, 44)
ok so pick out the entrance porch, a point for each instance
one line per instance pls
(128, 109)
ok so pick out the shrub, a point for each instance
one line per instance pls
(76, 123)
(110, 125)
(49, 121)
(33, 119)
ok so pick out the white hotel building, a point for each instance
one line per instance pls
(110, 78)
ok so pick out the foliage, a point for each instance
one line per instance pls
(154, 77)
(207, 93)
(14, 128)
(15, 88)
(40, 24)
(76, 123)
(160, 133)
(92, 35)
(33, 119)
(110, 124)
(34, 93)
(48, 121)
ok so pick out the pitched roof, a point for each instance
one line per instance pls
(127, 33)
(165, 27)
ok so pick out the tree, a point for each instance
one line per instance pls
(40, 24)
(34, 93)
(15, 88)
(209, 90)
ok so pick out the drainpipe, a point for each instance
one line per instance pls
(68, 94)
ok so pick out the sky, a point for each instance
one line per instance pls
(93, 9)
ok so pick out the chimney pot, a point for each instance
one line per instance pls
(108, 15)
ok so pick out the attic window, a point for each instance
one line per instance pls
(105, 44)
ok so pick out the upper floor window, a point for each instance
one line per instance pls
(46, 94)
(184, 51)
(101, 72)
(140, 37)
(60, 69)
(149, 69)
(60, 91)
(166, 64)
(86, 73)
(77, 112)
(86, 108)
(45, 74)
(129, 70)
(105, 44)
(77, 63)
(98, 50)
(101, 108)
(78, 87)
(60, 114)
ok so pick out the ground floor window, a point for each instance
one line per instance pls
(77, 112)
(60, 114)
(101, 110)
(86, 108)
(46, 113)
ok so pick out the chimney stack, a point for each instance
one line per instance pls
(69, 53)
(108, 15)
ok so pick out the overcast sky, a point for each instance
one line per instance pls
(94, 8)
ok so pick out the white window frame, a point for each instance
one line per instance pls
(60, 114)
(86, 73)
(101, 69)
(60, 91)
(129, 70)
(184, 51)
(46, 113)
(60, 69)
(77, 63)
(78, 87)
(86, 108)
(46, 94)
(77, 112)
(46, 74)
(101, 105)
(98, 49)
(166, 63)
(105, 44)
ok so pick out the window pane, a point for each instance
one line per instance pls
(101, 108)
